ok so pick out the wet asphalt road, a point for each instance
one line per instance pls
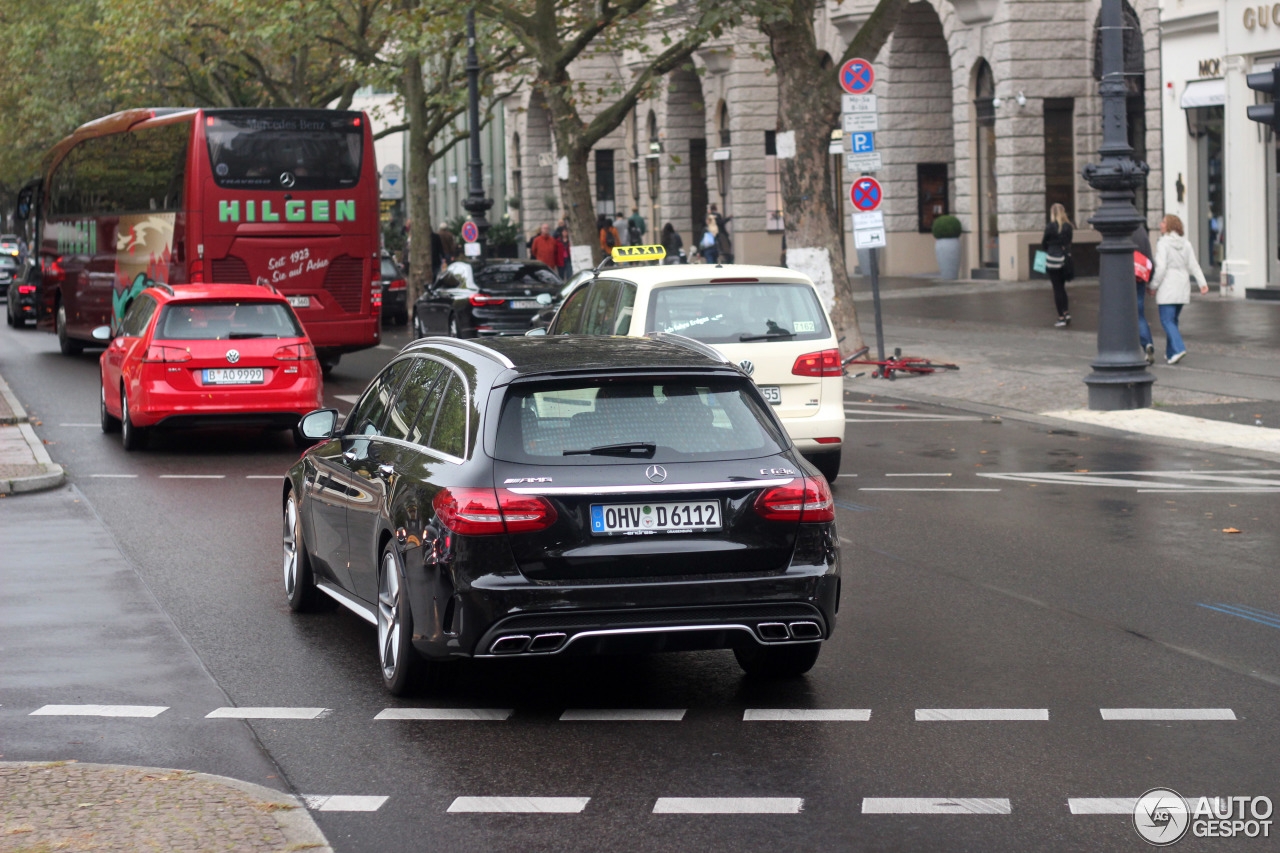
(961, 591)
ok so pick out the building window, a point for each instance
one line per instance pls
(1059, 155)
(931, 194)
(772, 183)
(606, 193)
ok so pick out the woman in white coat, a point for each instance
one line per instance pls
(1176, 265)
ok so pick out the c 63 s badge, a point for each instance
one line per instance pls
(777, 472)
(515, 481)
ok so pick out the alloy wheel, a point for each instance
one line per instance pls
(290, 539)
(390, 621)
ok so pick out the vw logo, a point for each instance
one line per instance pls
(233, 356)
(655, 473)
(287, 179)
(747, 367)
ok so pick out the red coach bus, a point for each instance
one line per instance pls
(282, 197)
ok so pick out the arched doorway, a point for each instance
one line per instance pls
(678, 154)
(986, 198)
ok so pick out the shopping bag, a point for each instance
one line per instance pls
(1039, 264)
(1141, 266)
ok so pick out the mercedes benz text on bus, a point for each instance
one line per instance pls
(287, 198)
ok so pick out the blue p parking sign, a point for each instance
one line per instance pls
(862, 143)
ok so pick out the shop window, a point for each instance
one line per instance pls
(606, 189)
(1059, 155)
(772, 183)
(931, 194)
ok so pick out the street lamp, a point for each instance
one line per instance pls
(475, 202)
(1119, 379)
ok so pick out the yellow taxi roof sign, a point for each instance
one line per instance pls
(638, 253)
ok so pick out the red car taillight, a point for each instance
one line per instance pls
(26, 288)
(165, 355)
(195, 272)
(825, 363)
(487, 300)
(296, 352)
(482, 512)
(375, 298)
(804, 499)
(398, 284)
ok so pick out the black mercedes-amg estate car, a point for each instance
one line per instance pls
(552, 496)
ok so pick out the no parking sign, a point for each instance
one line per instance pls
(857, 77)
(866, 194)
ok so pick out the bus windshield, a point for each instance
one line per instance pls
(285, 149)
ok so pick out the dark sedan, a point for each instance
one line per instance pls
(20, 307)
(475, 298)
(395, 291)
(526, 497)
(8, 273)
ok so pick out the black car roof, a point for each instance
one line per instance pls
(562, 353)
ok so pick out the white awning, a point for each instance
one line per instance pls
(1204, 93)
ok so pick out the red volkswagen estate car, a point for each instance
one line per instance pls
(207, 355)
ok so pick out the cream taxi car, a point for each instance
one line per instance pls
(767, 320)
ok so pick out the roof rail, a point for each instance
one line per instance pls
(469, 345)
(162, 285)
(689, 343)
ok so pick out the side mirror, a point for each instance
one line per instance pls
(102, 333)
(22, 210)
(318, 425)
(533, 333)
(544, 298)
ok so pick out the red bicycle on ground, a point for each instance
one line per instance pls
(897, 363)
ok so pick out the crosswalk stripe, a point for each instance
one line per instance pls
(520, 805)
(976, 714)
(444, 714)
(728, 805)
(803, 715)
(99, 711)
(936, 805)
(1167, 713)
(623, 714)
(342, 803)
(266, 714)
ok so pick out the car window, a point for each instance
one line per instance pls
(414, 392)
(626, 307)
(367, 416)
(450, 433)
(137, 316)
(515, 275)
(217, 321)
(389, 270)
(730, 313)
(569, 318)
(598, 317)
(684, 419)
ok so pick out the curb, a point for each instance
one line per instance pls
(52, 474)
(19, 415)
(289, 812)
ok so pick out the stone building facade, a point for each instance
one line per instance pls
(988, 110)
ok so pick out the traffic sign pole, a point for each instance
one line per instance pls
(860, 123)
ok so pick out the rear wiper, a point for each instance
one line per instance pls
(239, 336)
(638, 449)
(773, 333)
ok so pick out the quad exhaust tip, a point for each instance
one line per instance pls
(514, 644)
(772, 630)
(805, 631)
(547, 642)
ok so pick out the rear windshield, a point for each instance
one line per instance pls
(684, 420)
(731, 313)
(285, 149)
(499, 277)
(390, 271)
(217, 321)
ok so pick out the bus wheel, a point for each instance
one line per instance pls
(65, 343)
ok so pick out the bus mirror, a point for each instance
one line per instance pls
(22, 210)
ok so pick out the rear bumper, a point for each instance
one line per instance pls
(259, 407)
(827, 422)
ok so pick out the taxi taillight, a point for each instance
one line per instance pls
(825, 363)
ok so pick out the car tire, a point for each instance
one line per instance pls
(398, 660)
(68, 345)
(777, 661)
(109, 422)
(328, 363)
(418, 331)
(299, 582)
(828, 464)
(131, 436)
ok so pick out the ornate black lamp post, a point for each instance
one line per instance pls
(1119, 379)
(475, 202)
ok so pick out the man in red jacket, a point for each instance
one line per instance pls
(545, 248)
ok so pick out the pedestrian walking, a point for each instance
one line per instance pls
(608, 234)
(447, 243)
(1056, 244)
(674, 245)
(1176, 265)
(722, 227)
(545, 248)
(562, 236)
(620, 225)
(636, 227)
(1142, 278)
(707, 244)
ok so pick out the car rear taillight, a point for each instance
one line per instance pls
(375, 297)
(55, 273)
(26, 288)
(165, 355)
(195, 272)
(487, 300)
(825, 363)
(804, 499)
(483, 512)
(398, 284)
(296, 352)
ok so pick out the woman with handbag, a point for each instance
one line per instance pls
(1056, 244)
(1176, 265)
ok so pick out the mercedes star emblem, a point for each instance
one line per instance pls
(655, 473)
(747, 367)
(233, 356)
(287, 179)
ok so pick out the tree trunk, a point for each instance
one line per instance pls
(418, 188)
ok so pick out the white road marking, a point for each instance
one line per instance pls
(520, 805)
(266, 714)
(1102, 805)
(263, 477)
(83, 426)
(114, 476)
(347, 398)
(444, 714)
(972, 714)
(1167, 713)
(917, 475)
(914, 419)
(193, 476)
(384, 346)
(846, 475)
(99, 711)
(1152, 481)
(622, 714)
(802, 715)
(937, 805)
(728, 805)
(1191, 491)
(920, 416)
(887, 489)
(342, 803)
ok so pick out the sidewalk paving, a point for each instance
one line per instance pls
(25, 465)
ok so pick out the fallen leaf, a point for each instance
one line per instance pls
(1229, 530)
